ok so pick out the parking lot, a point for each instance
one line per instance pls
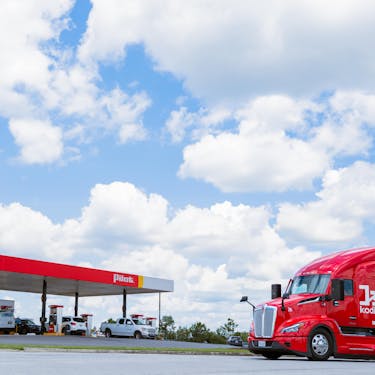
(99, 341)
(158, 364)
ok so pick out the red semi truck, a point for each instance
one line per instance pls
(328, 309)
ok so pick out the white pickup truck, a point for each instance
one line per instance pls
(129, 327)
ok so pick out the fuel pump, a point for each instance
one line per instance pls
(151, 322)
(55, 318)
(88, 321)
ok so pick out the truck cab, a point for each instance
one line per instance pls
(328, 309)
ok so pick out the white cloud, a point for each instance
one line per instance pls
(349, 116)
(74, 93)
(25, 232)
(262, 156)
(41, 78)
(154, 261)
(125, 113)
(355, 104)
(123, 214)
(124, 229)
(344, 204)
(315, 223)
(213, 254)
(178, 122)
(40, 141)
(264, 162)
(281, 143)
(248, 48)
(24, 27)
(199, 123)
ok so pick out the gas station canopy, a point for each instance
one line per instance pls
(27, 275)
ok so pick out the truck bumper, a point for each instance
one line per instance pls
(279, 345)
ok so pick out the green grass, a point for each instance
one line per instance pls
(223, 351)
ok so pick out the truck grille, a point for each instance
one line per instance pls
(264, 321)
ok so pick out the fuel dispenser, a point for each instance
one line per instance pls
(88, 321)
(151, 322)
(55, 318)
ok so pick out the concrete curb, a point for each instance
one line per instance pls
(130, 351)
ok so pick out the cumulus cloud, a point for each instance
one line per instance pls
(261, 155)
(181, 121)
(282, 143)
(40, 78)
(40, 142)
(123, 214)
(246, 49)
(126, 114)
(25, 232)
(23, 28)
(74, 94)
(338, 215)
(124, 229)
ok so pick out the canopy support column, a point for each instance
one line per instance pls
(44, 301)
(124, 303)
(159, 309)
(76, 305)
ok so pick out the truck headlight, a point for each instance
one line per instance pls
(293, 328)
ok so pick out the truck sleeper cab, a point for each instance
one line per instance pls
(328, 309)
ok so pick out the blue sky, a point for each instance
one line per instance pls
(219, 146)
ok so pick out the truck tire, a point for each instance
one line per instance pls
(320, 345)
(138, 335)
(66, 330)
(107, 332)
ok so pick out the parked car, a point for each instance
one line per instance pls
(73, 325)
(234, 340)
(24, 326)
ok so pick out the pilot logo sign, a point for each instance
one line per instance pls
(368, 305)
(118, 278)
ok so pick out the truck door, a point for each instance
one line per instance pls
(119, 327)
(365, 295)
(129, 328)
(345, 312)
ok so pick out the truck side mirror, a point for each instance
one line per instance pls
(337, 289)
(246, 299)
(275, 291)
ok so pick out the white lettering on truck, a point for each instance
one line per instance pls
(122, 279)
(368, 305)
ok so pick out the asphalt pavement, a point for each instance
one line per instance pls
(101, 341)
(41, 363)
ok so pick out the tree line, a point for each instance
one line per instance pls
(198, 331)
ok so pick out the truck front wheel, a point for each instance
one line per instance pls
(320, 345)
(138, 335)
(107, 333)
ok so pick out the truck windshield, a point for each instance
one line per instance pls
(315, 284)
